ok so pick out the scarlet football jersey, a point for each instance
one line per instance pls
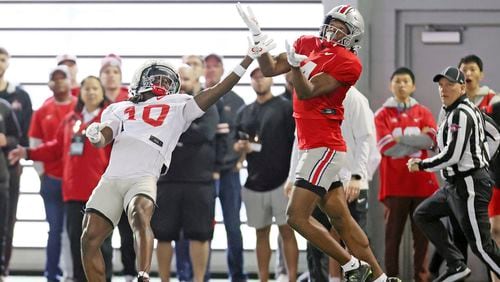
(318, 119)
(146, 133)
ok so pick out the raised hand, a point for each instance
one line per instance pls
(251, 22)
(293, 58)
(255, 50)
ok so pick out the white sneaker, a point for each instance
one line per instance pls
(282, 278)
(129, 278)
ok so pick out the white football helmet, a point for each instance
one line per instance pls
(354, 22)
(156, 76)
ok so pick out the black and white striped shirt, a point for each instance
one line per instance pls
(462, 141)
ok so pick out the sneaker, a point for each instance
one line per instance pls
(142, 277)
(393, 279)
(360, 274)
(455, 273)
(129, 278)
(282, 278)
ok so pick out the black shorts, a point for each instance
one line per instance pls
(187, 207)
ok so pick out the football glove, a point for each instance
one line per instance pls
(251, 23)
(93, 132)
(293, 58)
(255, 50)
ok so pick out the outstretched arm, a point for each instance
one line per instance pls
(269, 65)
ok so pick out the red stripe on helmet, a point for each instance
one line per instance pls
(344, 8)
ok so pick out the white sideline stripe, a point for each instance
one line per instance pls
(469, 183)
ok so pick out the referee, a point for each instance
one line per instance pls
(463, 160)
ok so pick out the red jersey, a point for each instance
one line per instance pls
(318, 119)
(395, 179)
(44, 125)
(75, 91)
(122, 95)
(81, 172)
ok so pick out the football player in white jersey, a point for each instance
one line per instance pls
(145, 130)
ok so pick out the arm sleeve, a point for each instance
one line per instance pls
(421, 141)
(111, 120)
(345, 71)
(492, 135)
(385, 140)
(38, 166)
(25, 117)
(459, 131)
(51, 150)
(12, 130)
(191, 110)
(221, 137)
(361, 118)
(35, 130)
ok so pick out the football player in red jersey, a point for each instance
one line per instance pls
(323, 69)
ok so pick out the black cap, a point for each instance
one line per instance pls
(452, 74)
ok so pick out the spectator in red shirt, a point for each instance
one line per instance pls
(405, 129)
(44, 125)
(83, 164)
(69, 60)
(111, 77)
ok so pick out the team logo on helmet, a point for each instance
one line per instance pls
(157, 77)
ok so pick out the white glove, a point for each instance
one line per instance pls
(293, 58)
(255, 50)
(93, 132)
(251, 23)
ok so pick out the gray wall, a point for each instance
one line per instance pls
(386, 47)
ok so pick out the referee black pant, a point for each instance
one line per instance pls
(466, 199)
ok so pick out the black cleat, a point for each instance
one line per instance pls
(360, 274)
(454, 273)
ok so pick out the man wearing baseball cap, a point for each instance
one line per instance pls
(111, 78)
(69, 60)
(463, 161)
(43, 128)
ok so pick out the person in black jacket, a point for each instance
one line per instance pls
(20, 105)
(228, 185)
(266, 133)
(9, 139)
(186, 194)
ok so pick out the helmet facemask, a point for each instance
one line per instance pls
(155, 77)
(354, 22)
(333, 34)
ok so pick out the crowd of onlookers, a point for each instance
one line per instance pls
(206, 164)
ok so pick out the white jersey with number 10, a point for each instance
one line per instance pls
(146, 133)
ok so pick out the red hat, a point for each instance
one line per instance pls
(111, 60)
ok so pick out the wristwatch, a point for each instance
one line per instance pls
(356, 176)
